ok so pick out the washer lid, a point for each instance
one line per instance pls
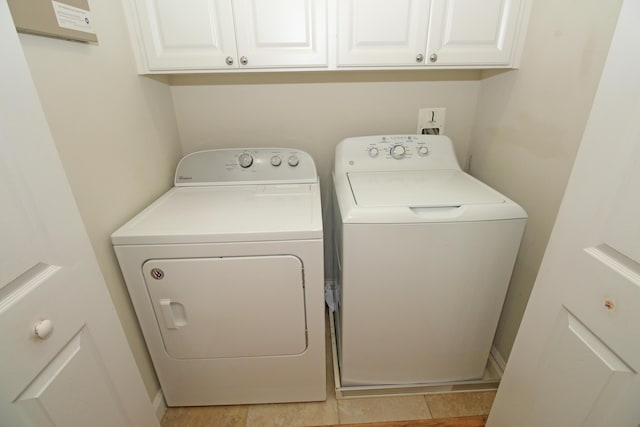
(424, 188)
(234, 213)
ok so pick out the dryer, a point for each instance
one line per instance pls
(424, 258)
(225, 272)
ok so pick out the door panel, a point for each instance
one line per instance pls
(626, 211)
(16, 224)
(229, 306)
(58, 394)
(577, 356)
(605, 295)
(584, 371)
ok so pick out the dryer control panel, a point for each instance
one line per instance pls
(395, 152)
(245, 166)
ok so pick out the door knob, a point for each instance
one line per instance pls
(43, 329)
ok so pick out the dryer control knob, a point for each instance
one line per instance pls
(373, 152)
(398, 152)
(276, 161)
(245, 160)
(423, 151)
(293, 160)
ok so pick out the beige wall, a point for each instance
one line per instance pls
(315, 111)
(117, 138)
(529, 124)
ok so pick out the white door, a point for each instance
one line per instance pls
(192, 35)
(382, 32)
(576, 358)
(281, 33)
(64, 360)
(472, 32)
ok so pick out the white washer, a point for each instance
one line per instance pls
(225, 272)
(424, 257)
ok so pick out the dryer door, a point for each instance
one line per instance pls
(228, 307)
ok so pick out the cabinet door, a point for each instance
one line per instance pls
(471, 32)
(192, 35)
(281, 33)
(382, 32)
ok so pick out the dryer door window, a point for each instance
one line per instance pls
(229, 306)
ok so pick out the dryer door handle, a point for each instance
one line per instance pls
(173, 314)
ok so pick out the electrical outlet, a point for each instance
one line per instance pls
(431, 121)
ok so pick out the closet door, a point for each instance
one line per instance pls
(576, 358)
(64, 359)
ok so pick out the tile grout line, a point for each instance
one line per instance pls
(426, 401)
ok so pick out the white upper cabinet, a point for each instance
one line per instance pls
(382, 32)
(281, 33)
(212, 35)
(173, 36)
(473, 33)
(193, 35)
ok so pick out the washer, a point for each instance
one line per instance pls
(225, 272)
(424, 258)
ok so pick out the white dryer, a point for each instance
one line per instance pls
(225, 272)
(424, 257)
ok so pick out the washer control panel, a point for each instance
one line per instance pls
(398, 148)
(245, 166)
(396, 152)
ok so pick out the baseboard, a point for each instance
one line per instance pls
(498, 359)
(159, 405)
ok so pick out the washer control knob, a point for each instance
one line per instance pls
(276, 161)
(373, 152)
(423, 151)
(245, 160)
(398, 152)
(293, 160)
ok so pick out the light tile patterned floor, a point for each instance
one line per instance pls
(333, 411)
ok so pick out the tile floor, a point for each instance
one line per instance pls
(333, 411)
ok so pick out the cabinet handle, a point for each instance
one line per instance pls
(244, 60)
(43, 329)
(229, 60)
(419, 58)
(433, 57)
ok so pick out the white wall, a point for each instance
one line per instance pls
(529, 124)
(117, 138)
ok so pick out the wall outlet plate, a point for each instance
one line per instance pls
(431, 121)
